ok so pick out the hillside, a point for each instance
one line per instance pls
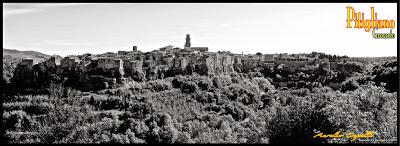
(22, 54)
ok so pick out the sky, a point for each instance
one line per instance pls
(78, 28)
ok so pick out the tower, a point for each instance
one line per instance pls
(187, 43)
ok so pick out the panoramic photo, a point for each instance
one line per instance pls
(200, 73)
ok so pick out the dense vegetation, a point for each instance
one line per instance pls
(235, 108)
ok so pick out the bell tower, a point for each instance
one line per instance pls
(187, 43)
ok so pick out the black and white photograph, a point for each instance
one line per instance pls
(200, 73)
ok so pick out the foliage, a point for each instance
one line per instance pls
(386, 73)
(367, 108)
(349, 85)
(189, 87)
(234, 108)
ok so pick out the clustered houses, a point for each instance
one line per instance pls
(156, 64)
(30, 62)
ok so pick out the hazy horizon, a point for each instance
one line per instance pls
(78, 28)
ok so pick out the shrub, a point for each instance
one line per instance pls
(184, 138)
(205, 97)
(119, 139)
(387, 73)
(349, 85)
(225, 80)
(19, 121)
(238, 92)
(16, 106)
(178, 81)
(217, 82)
(63, 120)
(295, 123)
(205, 84)
(264, 84)
(158, 85)
(139, 110)
(17, 98)
(132, 137)
(302, 92)
(134, 86)
(255, 74)
(30, 108)
(23, 137)
(189, 87)
(90, 133)
(162, 129)
(39, 108)
(267, 100)
(236, 111)
(353, 111)
(112, 102)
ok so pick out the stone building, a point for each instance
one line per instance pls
(53, 62)
(293, 65)
(69, 61)
(199, 49)
(180, 62)
(269, 57)
(30, 61)
(105, 63)
(122, 53)
(187, 42)
(118, 64)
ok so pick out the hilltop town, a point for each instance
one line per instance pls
(191, 95)
(115, 68)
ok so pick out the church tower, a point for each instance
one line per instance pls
(187, 43)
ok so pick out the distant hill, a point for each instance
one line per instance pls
(23, 54)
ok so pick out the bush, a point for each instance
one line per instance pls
(236, 111)
(205, 97)
(18, 121)
(30, 108)
(132, 137)
(134, 86)
(353, 111)
(178, 81)
(162, 129)
(268, 100)
(217, 82)
(139, 128)
(205, 84)
(386, 73)
(296, 123)
(39, 109)
(139, 110)
(62, 121)
(12, 106)
(158, 85)
(23, 137)
(184, 138)
(238, 92)
(108, 103)
(189, 87)
(225, 80)
(349, 85)
(264, 84)
(90, 133)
